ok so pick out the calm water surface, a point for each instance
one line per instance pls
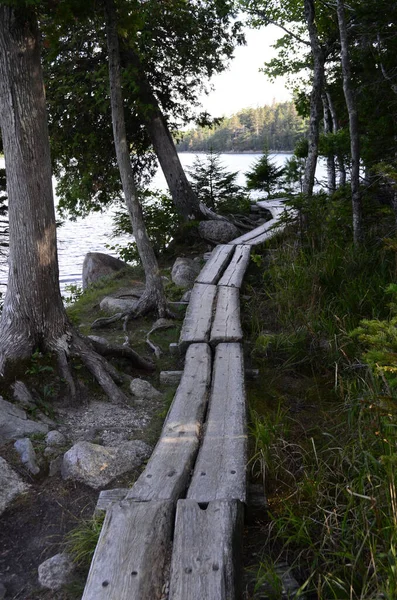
(93, 233)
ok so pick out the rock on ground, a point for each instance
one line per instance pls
(143, 390)
(97, 265)
(96, 466)
(11, 485)
(25, 449)
(184, 272)
(57, 571)
(15, 424)
(55, 438)
(218, 232)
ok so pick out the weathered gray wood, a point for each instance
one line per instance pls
(220, 469)
(167, 472)
(254, 233)
(226, 326)
(170, 377)
(131, 553)
(233, 276)
(108, 497)
(197, 323)
(260, 239)
(212, 270)
(206, 551)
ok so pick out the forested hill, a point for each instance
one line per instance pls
(276, 127)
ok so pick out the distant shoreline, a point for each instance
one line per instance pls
(234, 151)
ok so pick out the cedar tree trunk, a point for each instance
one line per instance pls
(154, 293)
(33, 314)
(353, 124)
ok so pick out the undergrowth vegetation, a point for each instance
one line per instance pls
(322, 314)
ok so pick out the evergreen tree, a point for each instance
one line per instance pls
(215, 186)
(264, 175)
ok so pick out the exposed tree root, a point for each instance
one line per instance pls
(66, 373)
(103, 372)
(148, 302)
(106, 349)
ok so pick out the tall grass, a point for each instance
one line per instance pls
(332, 491)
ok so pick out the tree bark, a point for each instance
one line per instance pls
(331, 174)
(315, 98)
(183, 196)
(33, 313)
(353, 124)
(335, 127)
(154, 293)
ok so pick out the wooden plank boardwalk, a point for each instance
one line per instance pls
(186, 509)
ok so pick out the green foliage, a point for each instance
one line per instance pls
(82, 540)
(379, 339)
(161, 219)
(275, 126)
(39, 364)
(265, 175)
(216, 187)
(75, 292)
(338, 527)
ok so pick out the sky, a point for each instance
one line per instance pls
(242, 85)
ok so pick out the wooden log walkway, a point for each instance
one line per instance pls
(180, 525)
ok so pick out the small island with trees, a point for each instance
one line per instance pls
(95, 94)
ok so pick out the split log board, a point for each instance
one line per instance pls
(197, 323)
(226, 326)
(220, 469)
(247, 237)
(167, 473)
(214, 267)
(131, 553)
(206, 558)
(234, 274)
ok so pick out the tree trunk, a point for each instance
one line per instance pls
(183, 196)
(315, 98)
(154, 293)
(33, 314)
(335, 127)
(353, 124)
(331, 174)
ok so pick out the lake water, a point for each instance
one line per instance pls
(93, 233)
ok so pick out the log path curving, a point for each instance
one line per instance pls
(177, 532)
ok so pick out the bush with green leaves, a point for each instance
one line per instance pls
(161, 219)
(216, 187)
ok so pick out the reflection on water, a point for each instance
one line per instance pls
(93, 233)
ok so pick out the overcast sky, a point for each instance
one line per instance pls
(242, 86)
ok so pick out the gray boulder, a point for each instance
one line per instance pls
(55, 438)
(3, 591)
(97, 265)
(113, 305)
(25, 449)
(184, 272)
(96, 466)
(14, 423)
(11, 485)
(218, 232)
(143, 390)
(57, 571)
